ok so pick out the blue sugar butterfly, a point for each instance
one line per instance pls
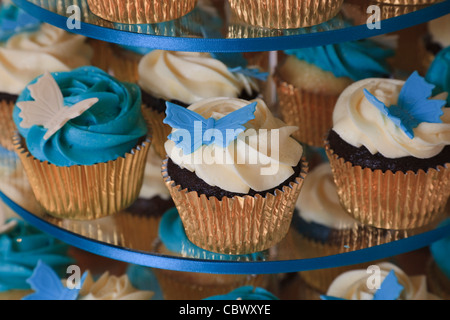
(48, 286)
(195, 131)
(414, 105)
(389, 289)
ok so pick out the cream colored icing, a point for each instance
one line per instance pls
(354, 285)
(319, 202)
(110, 287)
(242, 165)
(439, 30)
(309, 77)
(190, 77)
(153, 184)
(26, 56)
(360, 123)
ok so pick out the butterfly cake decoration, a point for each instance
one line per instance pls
(414, 105)
(48, 109)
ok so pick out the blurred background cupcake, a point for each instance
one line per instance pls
(405, 166)
(438, 73)
(246, 293)
(310, 80)
(185, 78)
(180, 285)
(438, 269)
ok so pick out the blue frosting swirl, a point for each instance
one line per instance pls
(105, 132)
(439, 73)
(14, 20)
(173, 236)
(20, 251)
(356, 60)
(246, 293)
(440, 251)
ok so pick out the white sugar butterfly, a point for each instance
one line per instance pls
(48, 108)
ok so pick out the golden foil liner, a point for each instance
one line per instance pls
(390, 200)
(7, 125)
(408, 2)
(140, 11)
(124, 64)
(437, 281)
(238, 225)
(285, 14)
(311, 112)
(160, 130)
(85, 192)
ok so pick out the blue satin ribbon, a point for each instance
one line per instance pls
(239, 45)
(231, 267)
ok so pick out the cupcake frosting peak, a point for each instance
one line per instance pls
(260, 157)
(110, 128)
(356, 60)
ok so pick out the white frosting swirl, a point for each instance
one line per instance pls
(243, 165)
(354, 285)
(26, 56)
(360, 123)
(438, 29)
(110, 287)
(190, 77)
(153, 184)
(319, 202)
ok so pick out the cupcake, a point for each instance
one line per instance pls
(143, 216)
(438, 269)
(102, 148)
(389, 152)
(140, 11)
(185, 78)
(279, 14)
(180, 285)
(46, 284)
(384, 281)
(25, 56)
(408, 2)
(439, 73)
(22, 247)
(235, 191)
(246, 293)
(310, 80)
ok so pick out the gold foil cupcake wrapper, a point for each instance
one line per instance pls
(238, 225)
(390, 200)
(140, 11)
(85, 192)
(285, 14)
(311, 112)
(160, 130)
(408, 2)
(7, 125)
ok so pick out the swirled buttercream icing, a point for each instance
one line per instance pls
(439, 73)
(22, 248)
(111, 287)
(108, 130)
(246, 293)
(260, 158)
(319, 202)
(190, 77)
(27, 55)
(358, 122)
(360, 284)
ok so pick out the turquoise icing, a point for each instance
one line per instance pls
(356, 60)
(20, 251)
(143, 278)
(440, 251)
(246, 293)
(172, 235)
(439, 73)
(14, 20)
(107, 131)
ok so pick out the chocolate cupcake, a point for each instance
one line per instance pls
(185, 78)
(243, 187)
(389, 152)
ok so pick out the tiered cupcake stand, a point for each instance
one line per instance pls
(105, 237)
